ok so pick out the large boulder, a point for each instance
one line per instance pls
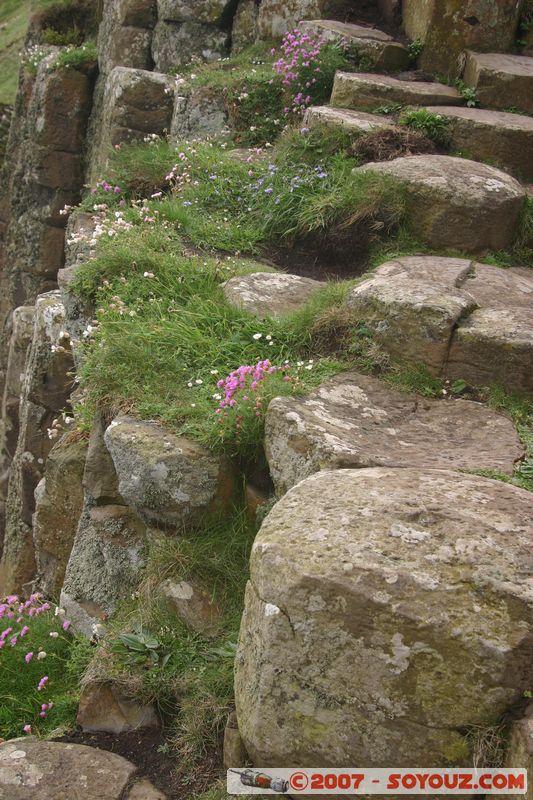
(355, 420)
(361, 90)
(503, 139)
(198, 112)
(389, 612)
(245, 25)
(358, 123)
(125, 34)
(169, 480)
(105, 708)
(501, 80)
(455, 203)
(519, 747)
(58, 506)
(447, 28)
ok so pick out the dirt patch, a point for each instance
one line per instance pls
(149, 751)
(389, 144)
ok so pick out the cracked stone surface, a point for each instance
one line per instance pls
(374, 45)
(368, 90)
(40, 770)
(373, 595)
(456, 316)
(494, 345)
(456, 203)
(501, 80)
(358, 421)
(269, 294)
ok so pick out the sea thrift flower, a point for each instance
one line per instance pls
(27, 729)
(28, 657)
(42, 683)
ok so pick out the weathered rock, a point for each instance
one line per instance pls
(177, 43)
(144, 790)
(104, 708)
(167, 479)
(245, 25)
(358, 421)
(504, 139)
(209, 12)
(373, 595)
(377, 48)
(136, 102)
(494, 287)
(276, 17)
(234, 754)
(44, 770)
(411, 319)
(193, 605)
(390, 10)
(361, 90)
(269, 294)
(448, 273)
(448, 27)
(356, 122)
(105, 564)
(125, 34)
(45, 389)
(198, 113)
(99, 476)
(58, 506)
(21, 336)
(519, 746)
(501, 80)
(494, 345)
(456, 203)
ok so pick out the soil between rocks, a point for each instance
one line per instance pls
(148, 750)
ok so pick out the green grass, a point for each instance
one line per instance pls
(14, 16)
(20, 702)
(193, 688)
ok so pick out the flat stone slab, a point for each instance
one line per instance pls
(374, 594)
(504, 139)
(501, 80)
(494, 287)
(377, 47)
(457, 203)
(494, 345)
(358, 122)
(359, 421)
(368, 90)
(40, 770)
(450, 273)
(269, 294)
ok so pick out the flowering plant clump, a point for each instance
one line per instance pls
(306, 68)
(34, 647)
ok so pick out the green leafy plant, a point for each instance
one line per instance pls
(415, 50)
(468, 94)
(141, 648)
(435, 126)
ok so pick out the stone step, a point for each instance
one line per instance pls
(41, 770)
(359, 421)
(368, 90)
(459, 318)
(353, 121)
(456, 203)
(502, 138)
(379, 49)
(501, 80)
(373, 595)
